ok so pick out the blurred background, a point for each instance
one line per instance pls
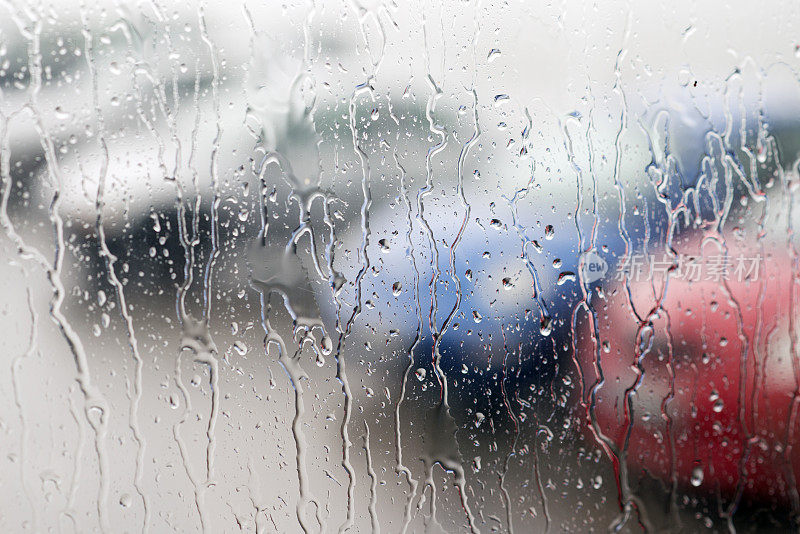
(376, 266)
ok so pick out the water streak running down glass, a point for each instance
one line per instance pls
(374, 266)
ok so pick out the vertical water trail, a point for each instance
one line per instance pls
(301, 193)
(460, 480)
(537, 475)
(438, 130)
(110, 262)
(593, 174)
(761, 337)
(96, 409)
(749, 437)
(716, 235)
(747, 433)
(585, 304)
(23, 251)
(187, 243)
(207, 356)
(665, 406)
(410, 254)
(439, 333)
(363, 258)
(793, 349)
(186, 343)
(187, 323)
(344, 330)
(293, 370)
(545, 319)
(17, 390)
(512, 452)
(644, 338)
(335, 279)
(578, 175)
(623, 125)
(297, 375)
(192, 330)
(373, 487)
(604, 441)
(537, 296)
(426, 190)
(77, 468)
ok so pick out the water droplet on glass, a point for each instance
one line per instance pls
(697, 476)
(546, 325)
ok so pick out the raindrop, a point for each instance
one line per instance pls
(697, 476)
(479, 418)
(546, 325)
(566, 276)
(500, 99)
(397, 288)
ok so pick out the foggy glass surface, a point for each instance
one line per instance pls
(402, 267)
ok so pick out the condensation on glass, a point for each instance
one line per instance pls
(375, 266)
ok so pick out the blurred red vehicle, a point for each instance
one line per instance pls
(695, 382)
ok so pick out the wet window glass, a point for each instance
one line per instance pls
(362, 266)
